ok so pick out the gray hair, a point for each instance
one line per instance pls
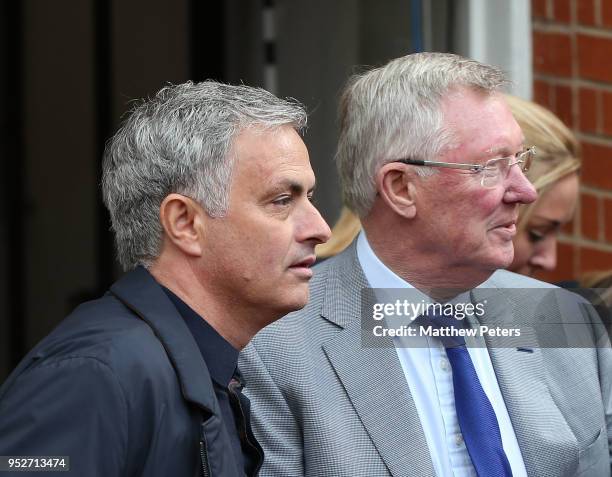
(394, 112)
(180, 141)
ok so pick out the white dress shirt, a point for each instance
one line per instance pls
(429, 376)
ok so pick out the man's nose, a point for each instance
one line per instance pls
(518, 188)
(314, 226)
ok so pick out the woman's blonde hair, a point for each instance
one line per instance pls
(557, 150)
(557, 155)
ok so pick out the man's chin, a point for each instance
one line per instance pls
(301, 302)
(503, 255)
(296, 300)
(504, 262)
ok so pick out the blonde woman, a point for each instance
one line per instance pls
(554, 174)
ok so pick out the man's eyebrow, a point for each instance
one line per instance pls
(505, 150)
(293, 186)
(502, 152)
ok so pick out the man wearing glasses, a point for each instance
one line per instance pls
(432, 160)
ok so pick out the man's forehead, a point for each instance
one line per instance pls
(458, 101)
(275, 159)
(483, 120)
(262, 147)
(284, 167)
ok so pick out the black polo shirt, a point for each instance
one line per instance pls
(221, 359)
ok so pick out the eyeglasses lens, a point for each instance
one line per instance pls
(497, 169)
(527, 158)
(494, 170)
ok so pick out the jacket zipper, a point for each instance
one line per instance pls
(204, 458)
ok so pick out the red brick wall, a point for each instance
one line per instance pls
(572, 66)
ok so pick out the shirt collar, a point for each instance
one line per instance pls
(221, 357)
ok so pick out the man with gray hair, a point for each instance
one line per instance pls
(432, 161)
(209, 189)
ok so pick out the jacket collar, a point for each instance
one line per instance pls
(372, 376)
(345, 281)
(139, 292)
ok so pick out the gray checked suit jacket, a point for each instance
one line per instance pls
(324, 405)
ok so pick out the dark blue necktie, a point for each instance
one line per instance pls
(475, 413)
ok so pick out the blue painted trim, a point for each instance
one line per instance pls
(416, 25)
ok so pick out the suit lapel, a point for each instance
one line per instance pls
(373, 377)
(547, 444)
(376, 385)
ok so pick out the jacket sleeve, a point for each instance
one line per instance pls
(603, 349)
(605, 364)
(274, 425)
(604, 352)
(74, 407)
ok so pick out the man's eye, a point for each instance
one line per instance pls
(535, 236)
(311, 198)
(282, 201)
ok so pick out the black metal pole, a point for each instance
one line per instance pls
(104, 122)
(207, 40)
(13, 178)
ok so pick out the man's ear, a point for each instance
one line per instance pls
(181, 218)
(397, 189)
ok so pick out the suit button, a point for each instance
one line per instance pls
(444, 365)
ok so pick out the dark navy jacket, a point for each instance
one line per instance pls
(121, 388)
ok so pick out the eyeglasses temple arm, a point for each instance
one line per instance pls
(454, 165)
(412, 162)
(449, 165)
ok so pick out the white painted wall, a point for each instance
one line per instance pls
(498, 32)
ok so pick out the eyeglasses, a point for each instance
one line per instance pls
(493, 171)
